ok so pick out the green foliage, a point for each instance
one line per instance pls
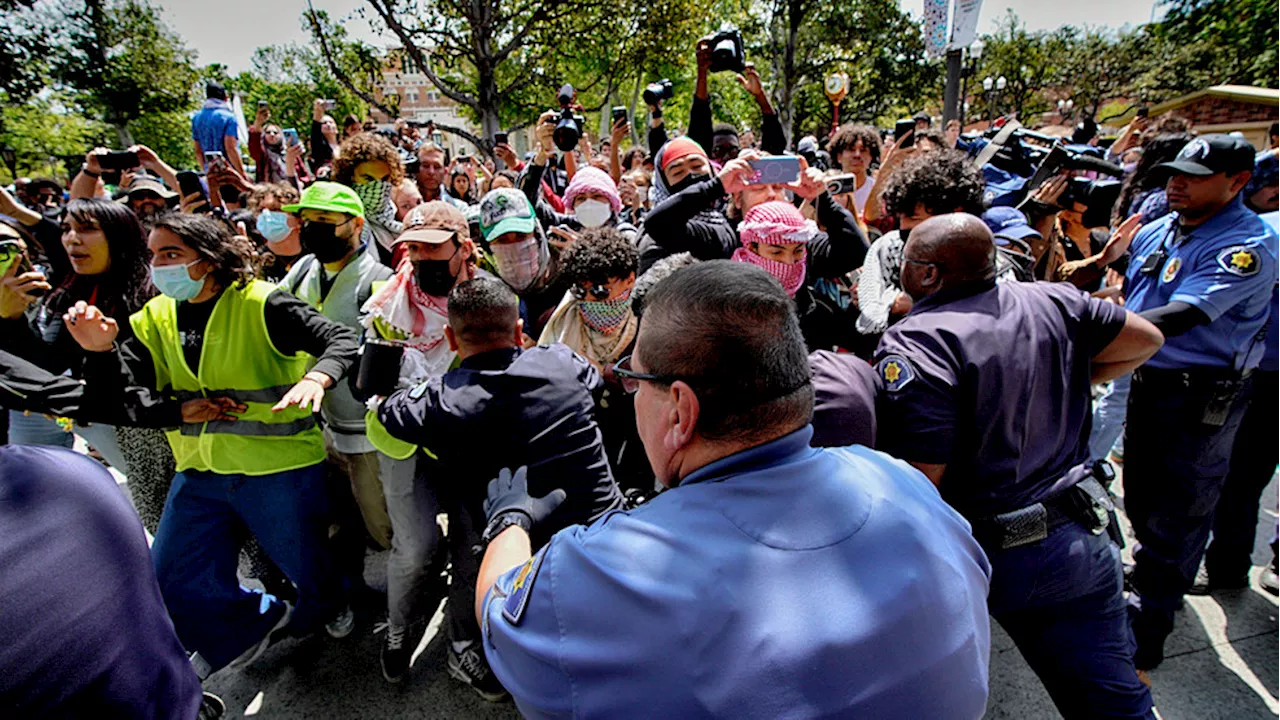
(1200, 43)
(43, 134)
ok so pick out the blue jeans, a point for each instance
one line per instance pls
(1060, 600)
(1108, 418)
(36, 429)
(197, 545)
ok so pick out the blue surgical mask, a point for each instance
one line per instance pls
(176, 282)
(274, 226)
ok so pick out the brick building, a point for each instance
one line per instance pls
(1228, 108)
(420, 100)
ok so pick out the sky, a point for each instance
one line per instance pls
(228, 31)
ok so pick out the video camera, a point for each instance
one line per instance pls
(1098, 196)
(655, 93)
(727, 51)
(569, 126)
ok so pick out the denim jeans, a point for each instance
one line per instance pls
(412, 505)
(206, 517)
(1108, 418)
(36, 429)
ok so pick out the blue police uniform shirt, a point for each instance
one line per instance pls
(1226, 267)
(781, 581)
(1271, 355)
(992, 380)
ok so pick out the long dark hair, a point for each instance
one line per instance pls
(126, 286)
(231, 257)
(1157, 149)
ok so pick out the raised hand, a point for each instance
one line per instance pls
(90, 327)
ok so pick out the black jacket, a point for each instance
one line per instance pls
(507, 408)
(772, 138)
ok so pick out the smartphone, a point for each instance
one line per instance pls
(500, 138)
(189, 184)
(902, 127)
(329, 104)
(263, 103)
(214, 161)
(290, 136)
(619, 113)
(840, 184)
(778, 170)
(25, 266)
(118, 160)
(464, 158)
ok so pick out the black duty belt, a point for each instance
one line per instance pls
(1087, 502)
(1188, 377)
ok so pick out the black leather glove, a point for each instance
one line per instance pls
(509, 503)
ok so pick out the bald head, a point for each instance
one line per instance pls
(946, 251)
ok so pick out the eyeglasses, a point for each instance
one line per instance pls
(9, 249)
(631, 379)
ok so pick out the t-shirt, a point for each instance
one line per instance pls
(211, 125)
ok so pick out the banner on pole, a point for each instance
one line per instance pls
(935, 27)
(964, 23)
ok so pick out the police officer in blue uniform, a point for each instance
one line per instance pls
(1203, 274)
(986, 391)
(771, 580)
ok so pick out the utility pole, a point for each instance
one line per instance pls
(951, 95)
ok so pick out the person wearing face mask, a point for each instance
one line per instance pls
(336, 277)
(411, 309)
(281, 233)
(370, 165)
(591, 197)
(685, 213)
(522, 256)
(224, 362)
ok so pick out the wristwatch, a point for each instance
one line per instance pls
(504, 521)
(85, 169)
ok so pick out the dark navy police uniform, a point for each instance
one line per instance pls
(783, 581)
(1188, 400)
(992, 380)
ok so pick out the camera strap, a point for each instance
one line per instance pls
(997, 142)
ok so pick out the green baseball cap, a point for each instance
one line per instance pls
(506, 210)
(330, 197)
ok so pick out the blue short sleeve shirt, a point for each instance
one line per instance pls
(1226, 267)
(211, 125)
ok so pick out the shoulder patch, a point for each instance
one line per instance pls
(515, 603)
(1171, 269)
(1240, 260)
(896, 372)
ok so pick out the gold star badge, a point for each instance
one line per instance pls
(1242, 259)
(892, 372)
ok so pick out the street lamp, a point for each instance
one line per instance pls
(1064, 109)
(970, 68)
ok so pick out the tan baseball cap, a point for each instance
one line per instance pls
(434, 222)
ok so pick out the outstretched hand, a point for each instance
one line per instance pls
(90, 327)
(509, 493)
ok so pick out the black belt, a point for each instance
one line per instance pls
(1087, 503)
(1188, 377)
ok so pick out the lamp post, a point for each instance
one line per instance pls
(970, 68)
(1001, 83)
(988, 87)
(1064, 110)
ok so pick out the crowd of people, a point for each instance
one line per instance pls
(708, 440)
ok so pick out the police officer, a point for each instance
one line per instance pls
(772, 580)
(986, 391)
(1203, 274)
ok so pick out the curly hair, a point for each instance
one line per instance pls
(126, 286)
(232, 257)
(284, 193)
(847, 135)
(365, 147)
(944, 181)
(599, 255)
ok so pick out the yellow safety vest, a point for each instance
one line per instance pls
(239, 361)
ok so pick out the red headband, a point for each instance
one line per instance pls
(678, 148)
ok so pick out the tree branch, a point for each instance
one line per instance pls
(385, 12)
(338, 73)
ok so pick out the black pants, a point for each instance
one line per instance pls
(1175, 468)
(1253, 462)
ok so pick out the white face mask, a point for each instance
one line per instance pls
(593, 213)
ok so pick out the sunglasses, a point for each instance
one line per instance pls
(631, 379)
(596, 291)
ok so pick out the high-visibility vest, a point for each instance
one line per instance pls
(239, 361)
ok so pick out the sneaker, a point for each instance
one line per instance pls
(342, 624)
(396, 653)
(211, 707)
(1204, 584)
(1269, 580)
(248, 657)
(470, 667)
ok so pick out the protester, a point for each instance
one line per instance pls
(524, 258)
(460, 185)
(371, 166)
(222, 358)
(431, 176)
(215, 130)
(723, 401)
(856, 148)
(985, 389)
(539, 401)
(324, 138)
(274, 159)
(1204, 275)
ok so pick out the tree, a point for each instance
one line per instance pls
(1031, 62)
(1200, 43)
(42, 134)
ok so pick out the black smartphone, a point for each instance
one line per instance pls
(189, 184)
(500, 138)
(619, 113)
(263, 103)
(25, 266)
(902, 127)
(118, 160)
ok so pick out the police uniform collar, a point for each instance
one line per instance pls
(950, 295)
(1220, 221)
(491, 359)
(753, 458)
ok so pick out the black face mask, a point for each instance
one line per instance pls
(903, 233)
(321, 239)
(434, 276)
(688, 182)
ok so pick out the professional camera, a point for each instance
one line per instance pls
(568, 126)
(1098, 196)
(727, 52)
(655, 93)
